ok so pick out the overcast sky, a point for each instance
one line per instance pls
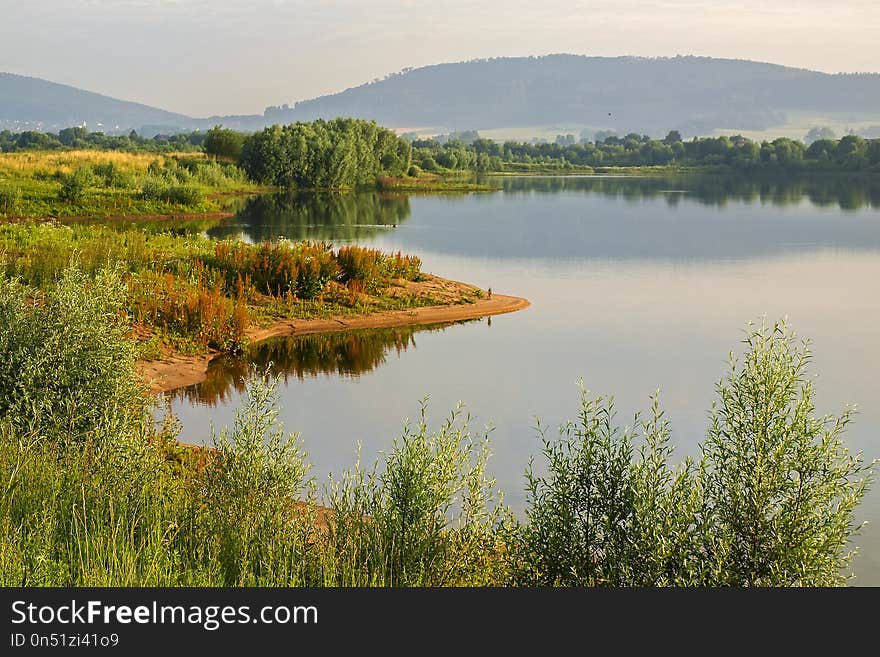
(205, 57)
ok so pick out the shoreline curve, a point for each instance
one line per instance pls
(180, 371)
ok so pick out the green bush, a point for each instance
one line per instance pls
(250, 490)
(779, 482)
(95, 495)
(770, 503)
(429, 518)
(184, 195)
(153, 188)
(75, 185)
(67, 365)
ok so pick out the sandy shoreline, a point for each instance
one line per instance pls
(179, 371)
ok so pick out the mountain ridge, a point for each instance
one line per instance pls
(693, 94)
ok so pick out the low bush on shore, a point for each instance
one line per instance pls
(95, 494)
(202, 294)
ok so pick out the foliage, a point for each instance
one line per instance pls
(94, 495)
(200, 293)
(770, 503)
(74, 185)
(81, 139)
(850, 153)
(779, 482)
(429, 518)
(101, 183)
(10, 200)
(66, 366)
(223, 143)
(324, 154)
(249, 491)
(603, 516)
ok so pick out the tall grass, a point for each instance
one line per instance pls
(95, 494)
(100, 183)
(199, 293)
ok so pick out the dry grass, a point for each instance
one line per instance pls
(26, 164)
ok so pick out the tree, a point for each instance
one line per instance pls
(70, 136)
(221, 142)
(672, 137)
(325, 154)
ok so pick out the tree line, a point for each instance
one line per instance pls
(81, 139)
(851, 153)
(347, 152)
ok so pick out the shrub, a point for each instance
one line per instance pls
(67, 366)
(408, 267)
(770, 503)
(429, 518)
(153, 188)
(74, 185)
(781, 486)
(195, 309)
(184, 195)
(250, 490)
(359, 263)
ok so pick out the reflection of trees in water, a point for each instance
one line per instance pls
(848, 193)
(189, 226)
(316, 215)
(347, 354)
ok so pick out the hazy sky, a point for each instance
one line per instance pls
(237, 56)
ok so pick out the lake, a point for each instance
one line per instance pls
(636, 284)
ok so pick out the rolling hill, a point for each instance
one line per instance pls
(695, 95)
(35, 104)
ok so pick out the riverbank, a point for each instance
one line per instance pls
(177, 370)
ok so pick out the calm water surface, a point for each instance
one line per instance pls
(636, 285)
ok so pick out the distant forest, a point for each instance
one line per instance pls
(81, 138)
(850, 153)
(353, 152)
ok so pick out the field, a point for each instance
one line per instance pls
(109, 183)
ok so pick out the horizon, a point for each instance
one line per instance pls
(176, 54)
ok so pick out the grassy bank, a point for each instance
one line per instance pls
(110, 183)
(192, 295)
(95, 494)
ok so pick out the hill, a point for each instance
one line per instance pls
(518, 97)
(694, 95)
(33, 104)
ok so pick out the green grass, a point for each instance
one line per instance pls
(95, 494)
(40, 184)
(194, 294)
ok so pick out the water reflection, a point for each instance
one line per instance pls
(847, 193)
(315, 215)
(346, 354)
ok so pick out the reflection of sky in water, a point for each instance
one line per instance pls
(630, 295)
